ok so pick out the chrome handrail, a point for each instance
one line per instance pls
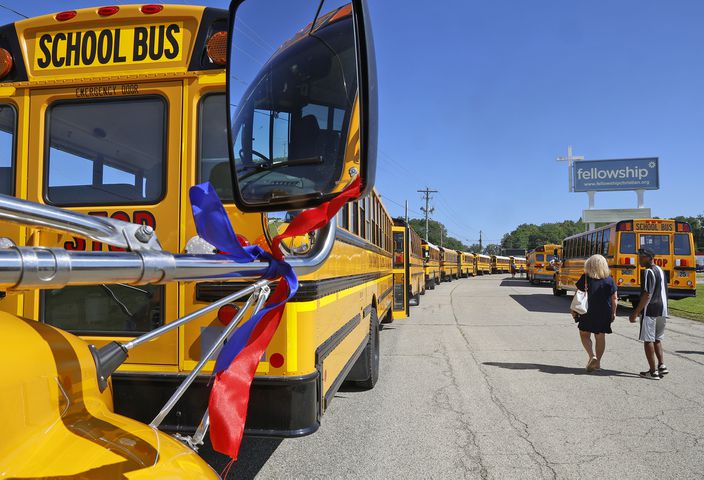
(24, 268)
(101, 229)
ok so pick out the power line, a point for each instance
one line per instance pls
(13, 11)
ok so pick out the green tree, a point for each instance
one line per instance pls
(528, 235)
(436, 231)
(492, 249)
(474, 248)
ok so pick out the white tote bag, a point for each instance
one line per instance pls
(580, 301)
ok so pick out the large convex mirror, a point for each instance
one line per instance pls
(293, 102)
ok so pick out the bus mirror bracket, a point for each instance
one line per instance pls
(107, 359)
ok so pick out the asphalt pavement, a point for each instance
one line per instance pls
(486, 379)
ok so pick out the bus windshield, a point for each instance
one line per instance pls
(659, 244)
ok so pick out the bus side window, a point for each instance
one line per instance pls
(213, 154)
(605, 246)
(8, 122)
(355, 217)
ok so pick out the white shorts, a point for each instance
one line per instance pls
(652, 329)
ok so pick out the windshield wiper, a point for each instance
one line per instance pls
(294, 162)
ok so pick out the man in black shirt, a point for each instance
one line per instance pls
(653, 305)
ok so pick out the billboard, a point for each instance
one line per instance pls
(610, 175)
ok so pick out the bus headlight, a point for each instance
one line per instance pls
(689, 283)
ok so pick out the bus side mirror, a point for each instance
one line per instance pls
(302, 101)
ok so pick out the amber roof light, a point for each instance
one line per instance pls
(216, 47)
(5, 62)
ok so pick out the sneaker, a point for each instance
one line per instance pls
(662, 370)
(650, 375)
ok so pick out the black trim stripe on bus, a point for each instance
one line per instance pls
(335, 386)
(325, 348)
(307, 291)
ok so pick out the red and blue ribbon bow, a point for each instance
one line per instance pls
(238, 359)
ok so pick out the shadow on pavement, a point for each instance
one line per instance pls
(515, 282)
(543, 303)
(254, 453)
(559, 369)
(690, 352)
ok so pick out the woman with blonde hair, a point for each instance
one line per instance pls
(602, 303)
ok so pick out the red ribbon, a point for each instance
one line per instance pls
(229, 397)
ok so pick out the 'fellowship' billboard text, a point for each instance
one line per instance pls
(623, 174)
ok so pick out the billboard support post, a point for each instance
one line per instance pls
(641, 198)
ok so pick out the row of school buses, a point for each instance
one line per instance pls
(670, 240)
(425, 265)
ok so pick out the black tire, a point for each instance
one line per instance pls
(366, 367)
(431, 284)
(634, 301)
(388, 318)
(416, 298)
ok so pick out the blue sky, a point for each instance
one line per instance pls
(478, 98)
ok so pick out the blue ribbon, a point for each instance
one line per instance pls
(213, 226)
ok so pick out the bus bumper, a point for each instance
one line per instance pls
(280, 407)
(678, 293)
(543, 277)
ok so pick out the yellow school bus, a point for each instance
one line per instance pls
(500, 264)
(671, 241)
(448, 264)
(123, 132)
(542, 263)
(482, 263)
(409, 277)
(431, 265)
(519, 263)
(466, 265)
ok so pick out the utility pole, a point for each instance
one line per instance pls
(480, 241)
(406, 213)
(427, 210)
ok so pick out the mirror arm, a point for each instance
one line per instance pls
(25, 268)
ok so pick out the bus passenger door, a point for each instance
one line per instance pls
(111, 151)
(400, 273)
(12, 172)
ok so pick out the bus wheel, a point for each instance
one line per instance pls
(365, 371)
(558, 292)
(416, 298)
(634, 301)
